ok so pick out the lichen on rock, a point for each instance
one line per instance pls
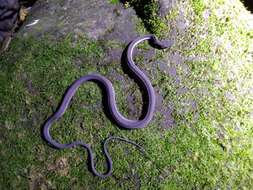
(201, 134)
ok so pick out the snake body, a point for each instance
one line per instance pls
(116, 115)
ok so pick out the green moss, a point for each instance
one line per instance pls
(147, 10)
(114, 1)
(209, 147)
(33, 83)
(172, 14)
(198, 6)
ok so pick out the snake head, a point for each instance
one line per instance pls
(160, 44)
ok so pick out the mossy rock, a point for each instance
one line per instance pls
(201, 135)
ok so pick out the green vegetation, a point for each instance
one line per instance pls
(210, 145)
(114, 1)
(147, 10)
(198, 6)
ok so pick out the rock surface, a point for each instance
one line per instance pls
(203, 87)
(98, 20)
(94, 19)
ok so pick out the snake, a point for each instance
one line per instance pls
(114, 112)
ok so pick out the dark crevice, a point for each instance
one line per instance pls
(248, 4)
(27, 3)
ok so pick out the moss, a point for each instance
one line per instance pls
(33, 84)
(210, 146)
(198, 6)
(114, 1)
(172, 14)
(148, 11)
(209, 82)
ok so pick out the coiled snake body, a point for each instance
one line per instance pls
(119, 118)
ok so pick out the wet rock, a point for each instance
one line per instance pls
(93, 19)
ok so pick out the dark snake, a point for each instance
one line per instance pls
(118, 117)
